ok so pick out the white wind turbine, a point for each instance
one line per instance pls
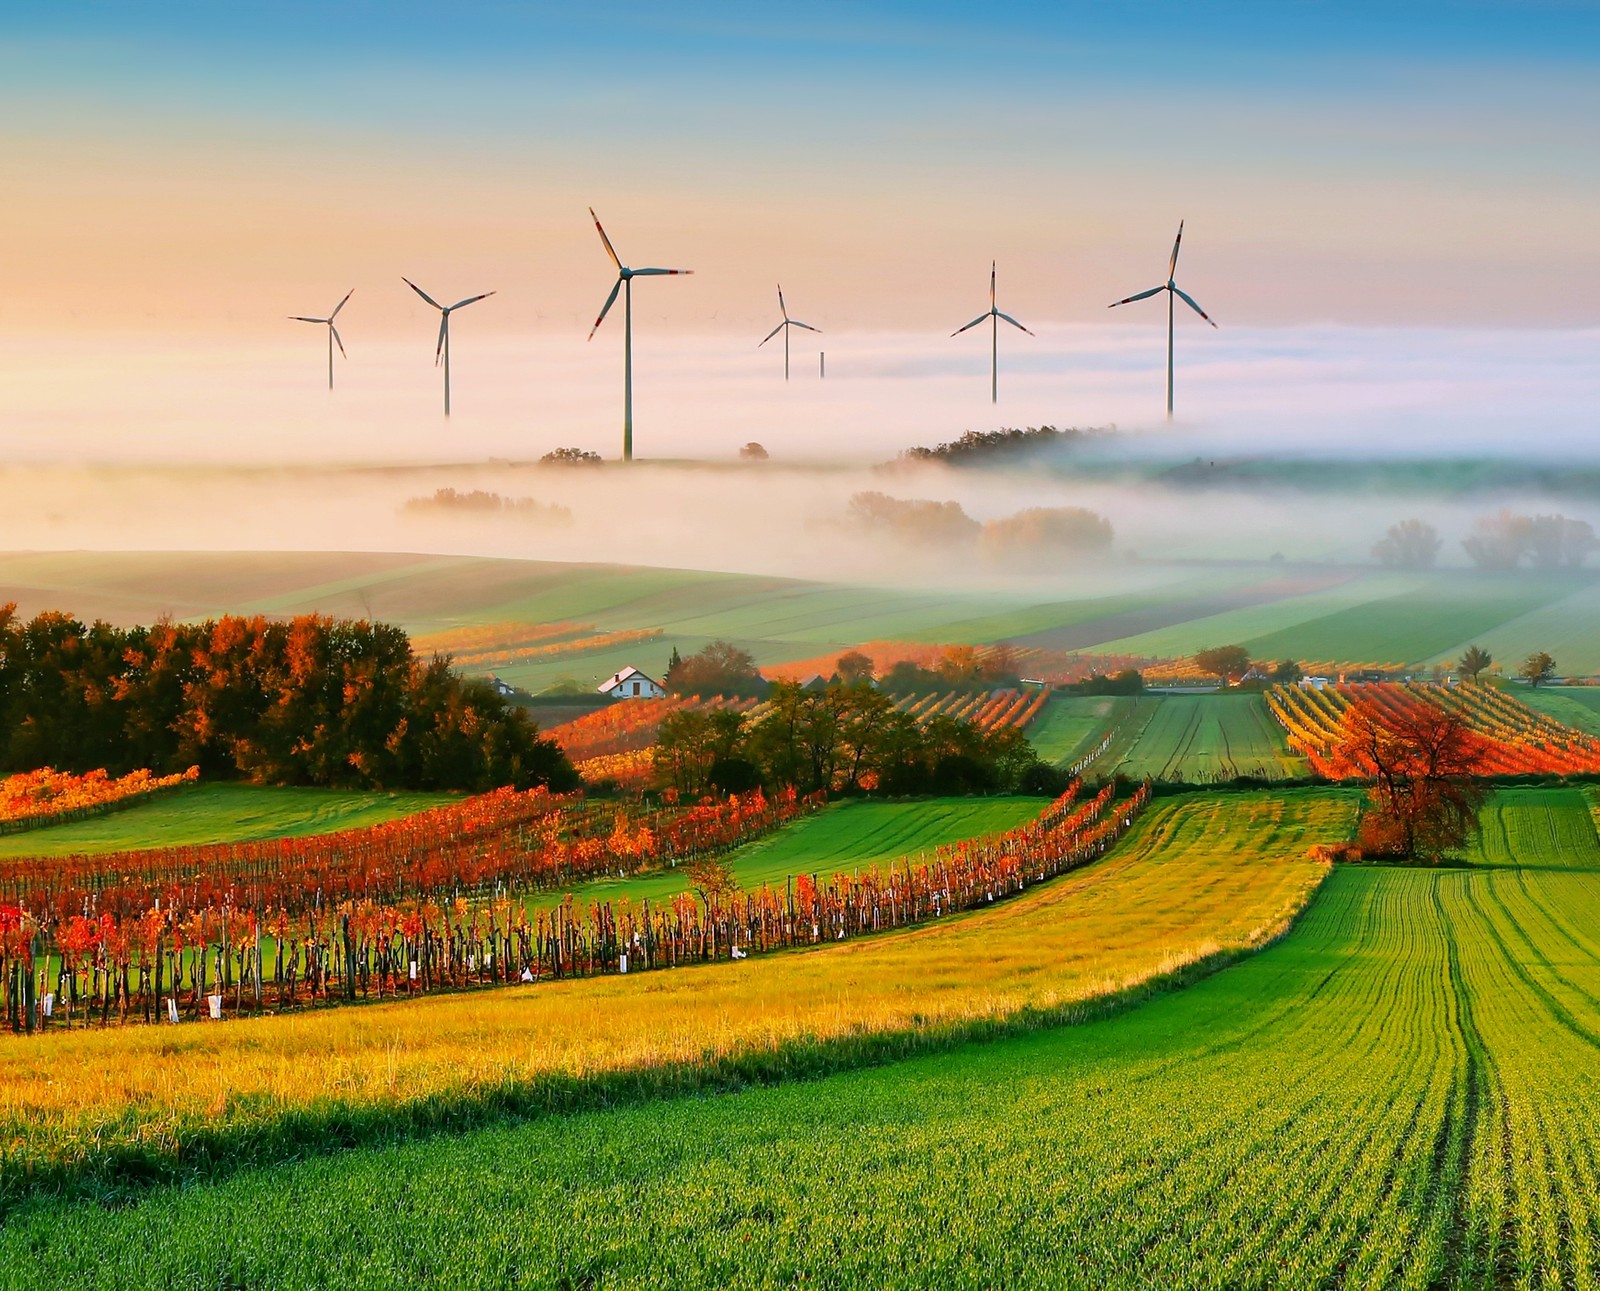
(624, 284)
(994, 316)
(441, 351)
(1173, 290)
(333, 332)
(784, 328)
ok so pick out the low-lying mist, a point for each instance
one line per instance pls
(760, 518)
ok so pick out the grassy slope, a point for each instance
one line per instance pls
(845, 836)
(1071, 725)
(219, 813)
(1192, 876)
(1399, 1095)
(1202, 737)
(1575, 706)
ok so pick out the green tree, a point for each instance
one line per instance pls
(1537, 667)
(1474, 659)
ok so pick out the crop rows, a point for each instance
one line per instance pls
(988, 710)
(1506, 736)
(47, 797)
(1400, 1095)
(124, 930)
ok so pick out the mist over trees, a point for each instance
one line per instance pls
(477, 502)
(1504, 540)
(1001, 447)
(311, 701)
(1411, 544)
(1038, 533)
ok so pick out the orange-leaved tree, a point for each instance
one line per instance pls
(1422, 762)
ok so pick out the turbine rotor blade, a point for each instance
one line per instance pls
(472, 300)
(973, 323)
(1141, 296)
(301, 318)
(795, 322)
(420, 292)
(771, 334)
(337, 340)
(782, 308)
(1172, 265)
(340, 305)
(444, 330)
(610, 250)
(606, 308)
(1190, 302)
(641, 273)
(1012, 321)
(991, 284)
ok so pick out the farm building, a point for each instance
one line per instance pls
(501, 686)
(1315, 683)
(630, 683)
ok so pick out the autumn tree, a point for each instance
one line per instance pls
(1474, 659)
(711, 879)
(1424, 798)
(1046, 534)
(1411, 544)
(1228, 663)
(853, 668)
(1537, 667)
(753, 452)
(1499, 541)
(719, 668)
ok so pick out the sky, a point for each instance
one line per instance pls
(1389, 210)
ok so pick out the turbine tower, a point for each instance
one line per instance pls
(994, 316)
(784, 328)
(441, 352)
(333, 332)
(624, 284)
(1173, 290)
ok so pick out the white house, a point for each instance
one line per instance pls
(1315, 683)
(630, 683)
(501, 686)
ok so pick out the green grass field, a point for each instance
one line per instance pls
(1399, 1095)
(1575, 706)
(842, 837)
(1197, 881)
(1199, 738)
(1071, 725)
(219, 813)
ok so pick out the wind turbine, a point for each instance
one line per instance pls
(1173, 290)
(442, 350)
(333, 332)
(784, 328)
(994, 316)
(624, 284)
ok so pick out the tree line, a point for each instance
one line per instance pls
(309, 701)
(843, 739)
(1503, 540)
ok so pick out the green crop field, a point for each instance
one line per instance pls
(1400, 1094)
(1157, 610)
(219, 813)
(1198, 738)
(1071, 725)
(842, 837)
(1575, 706)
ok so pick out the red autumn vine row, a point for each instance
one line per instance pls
(158, 966)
